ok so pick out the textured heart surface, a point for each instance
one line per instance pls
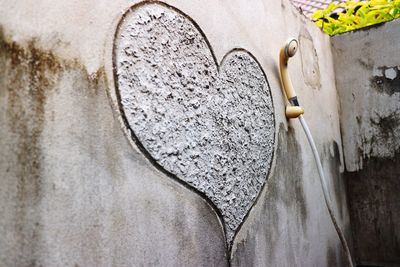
(210, 125)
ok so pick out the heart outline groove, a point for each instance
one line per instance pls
(210, 126)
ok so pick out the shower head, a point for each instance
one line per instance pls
(291, 47)
(287, 51)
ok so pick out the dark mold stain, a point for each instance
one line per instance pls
(385, 85)
(385, 129)
(387, 125)
(290, 175)
(28, 76)
(286, 186)
(335, 256)
(374, 204)
(31, 74)
(245, 253)
(366, 64)
(337, 178)
(331, 257)
(96, 80)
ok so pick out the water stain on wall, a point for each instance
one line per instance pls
(332, 153)
(282, 206)
(378, 130)
(373, 190)
(380, 134)
(289, 185)
(386, 80)
(374, 202)
(334, 256)
(309, 60)
(29, 75)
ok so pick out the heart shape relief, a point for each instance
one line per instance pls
(212, 127)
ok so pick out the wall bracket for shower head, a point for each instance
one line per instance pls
(289, 50)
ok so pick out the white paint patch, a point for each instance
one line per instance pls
(377, 72)
(390, 73)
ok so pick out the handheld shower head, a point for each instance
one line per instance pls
(291, 47)
(287, 51)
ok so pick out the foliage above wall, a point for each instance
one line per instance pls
(348, 16)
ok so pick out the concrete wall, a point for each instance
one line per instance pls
(367, 68)
(76, 190)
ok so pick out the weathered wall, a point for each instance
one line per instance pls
(369, 90)
(76, 189)
(74, 192)
(289, 225)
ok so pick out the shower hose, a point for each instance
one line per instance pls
(295, 111)
(325, 190)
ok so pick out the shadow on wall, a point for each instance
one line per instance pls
(283, 209)
(374, 202)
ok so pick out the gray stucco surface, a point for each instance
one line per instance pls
(75, 191)
(212, 127)
(369, 93)
(285, 202)
(369, 90)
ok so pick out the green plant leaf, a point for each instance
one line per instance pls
(356, 15)
(318, 14)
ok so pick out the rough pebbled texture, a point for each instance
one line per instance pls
(212, 128)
